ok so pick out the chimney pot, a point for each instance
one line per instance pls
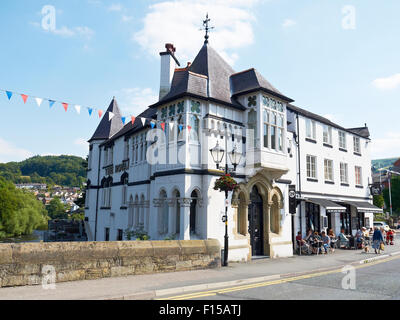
(170, 48)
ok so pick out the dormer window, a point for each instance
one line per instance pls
(273, 124)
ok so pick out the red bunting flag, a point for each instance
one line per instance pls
(190, 128)
(133, 119)
(65, 105)
(24, 97)
(163, 126)
(100, 113)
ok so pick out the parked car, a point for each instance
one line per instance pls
(381, 224)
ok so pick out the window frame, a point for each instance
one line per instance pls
(310, 165)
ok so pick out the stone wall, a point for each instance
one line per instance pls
(23, 264)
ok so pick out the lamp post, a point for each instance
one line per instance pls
(217, 154)
(389, 174)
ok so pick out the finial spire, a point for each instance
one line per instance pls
(207, 28)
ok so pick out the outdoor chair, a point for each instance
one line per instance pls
(303, 248)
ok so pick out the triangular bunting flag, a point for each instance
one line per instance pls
(133, 119)
(100, 113)
(123, 120)
(163, 126)
(143, 121)
(90, 110)
(153, 124)
(78, 109)
(65, 105)
(110, 116)
(189, 127)
(9, 94)
(24, 97)
(172, 125)
(180, 127)
(51, 103)
(39, 101)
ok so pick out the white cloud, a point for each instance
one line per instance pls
(115, 7)
(288, 23)
(9, 152)
(126, 18)
(81, 142)
(134, 101)
(178, 22)
(386, 147)
(388, 83)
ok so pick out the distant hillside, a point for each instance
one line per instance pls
(383, 163)
(67, 171)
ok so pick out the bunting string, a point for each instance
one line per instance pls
(91, 110)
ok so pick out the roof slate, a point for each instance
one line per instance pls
(107, 128)
(252, 80)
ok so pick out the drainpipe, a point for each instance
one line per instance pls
(97, 195)
(299, 170)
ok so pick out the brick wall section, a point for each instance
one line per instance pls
(21, 264)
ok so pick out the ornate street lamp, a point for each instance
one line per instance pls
(217, 154)
(235, 157)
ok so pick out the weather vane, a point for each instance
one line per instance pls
(207, 28)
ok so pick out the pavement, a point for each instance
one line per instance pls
(156, 286)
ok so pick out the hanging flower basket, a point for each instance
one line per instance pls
(225, 183)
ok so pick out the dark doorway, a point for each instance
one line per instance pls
(256, 223)
(345, 219)
(313, 218)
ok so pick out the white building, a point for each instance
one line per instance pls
(205, 103)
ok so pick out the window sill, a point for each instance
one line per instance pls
(312, 180)
(123, 208)
(329, 182)
(328, 145)
(345, 185)
(311, 140)
(105, 208)
(357, 154)
(343, 150)
(87, 208)
(359, 187)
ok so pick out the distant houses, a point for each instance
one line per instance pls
(67, 195)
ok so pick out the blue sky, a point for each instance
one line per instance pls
(313, 51)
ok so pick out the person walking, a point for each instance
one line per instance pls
(377, 239)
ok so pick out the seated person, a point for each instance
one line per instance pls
(326, 240)
(309, 236)
(342, 238)
(303, 245)
(316, 242)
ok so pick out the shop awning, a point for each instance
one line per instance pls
(330, 206)
(363, 206)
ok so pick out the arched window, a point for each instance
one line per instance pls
(195, 131)
(252, 125)
(163, 214)
(136, 222)
(124, 180)
(130, 212)
(177, 195)
(242, 215)
(142, 214)
(275, 221)
(193, 212)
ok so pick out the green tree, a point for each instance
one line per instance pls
(56, 209)
(20, 212)
(379, 201)
(395, 186)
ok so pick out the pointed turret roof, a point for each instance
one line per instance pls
(107, 128)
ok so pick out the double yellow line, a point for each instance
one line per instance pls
(270, 283)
